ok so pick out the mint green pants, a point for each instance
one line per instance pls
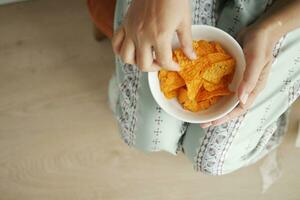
(230, 146)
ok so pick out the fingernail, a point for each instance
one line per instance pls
(176, 66)
(244, 97)
(191, 53)
(194, 56)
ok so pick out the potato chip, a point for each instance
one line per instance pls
(193, 105)
(217, 57)
(200, 82)
(215, 73)
(182, 95)
(171, 94)
(193, 87)
(225, 81)
(190, 72)
(169, 83)
(182, 59)
(192, 76)
(204, 95)
(203, 48)
(174, 57)
(208, 86)
(205, 104)
(162, 74)
(228, 78)
(218, 47)
(170, 80)
(187, 104)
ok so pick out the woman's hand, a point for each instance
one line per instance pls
(148, 27)
(257, 43)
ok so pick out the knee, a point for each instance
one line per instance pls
(215, 156)
(214, 166)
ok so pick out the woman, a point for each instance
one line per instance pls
(268, 33)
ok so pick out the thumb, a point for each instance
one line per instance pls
(184, 34)
(261, 84)
(254, 66)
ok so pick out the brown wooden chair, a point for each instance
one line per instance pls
(102, 14)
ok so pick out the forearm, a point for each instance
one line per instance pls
(281, 18)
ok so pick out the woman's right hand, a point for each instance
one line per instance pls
(150, 26)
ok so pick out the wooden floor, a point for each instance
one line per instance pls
(58, 139)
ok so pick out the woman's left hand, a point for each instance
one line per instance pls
(258, 46)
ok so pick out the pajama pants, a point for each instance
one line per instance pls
(221, 149)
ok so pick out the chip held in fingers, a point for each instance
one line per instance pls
(200, 83)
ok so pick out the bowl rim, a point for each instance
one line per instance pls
(151, 75)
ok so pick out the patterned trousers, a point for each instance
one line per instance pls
(230, 146)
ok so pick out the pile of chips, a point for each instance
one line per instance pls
(200, 82)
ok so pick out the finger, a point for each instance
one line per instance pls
(155, 66)
(184, 34)
(263, 78)
(233, 114)
(117, 40)
(127, 52)
(163, 55)
(206, 125)
(145, 59)
(241, 109)
(260, 85)
(255, 64)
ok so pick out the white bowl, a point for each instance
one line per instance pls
(225, 104)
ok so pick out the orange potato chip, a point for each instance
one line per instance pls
(193, 87)
(203, 48)
(181, 58)
(228, 78)
(200, 82)
(192, 76)
(189, 72)
(170, 80)
(215, 73)
(205, 104)
(182, 95)
(174, 57)
(193, 105)
(225, 81)
(218, 47)
(171, 94)
(217, 57)
(187, 104)
(162, 74)
(204, 95)
(208, 86)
